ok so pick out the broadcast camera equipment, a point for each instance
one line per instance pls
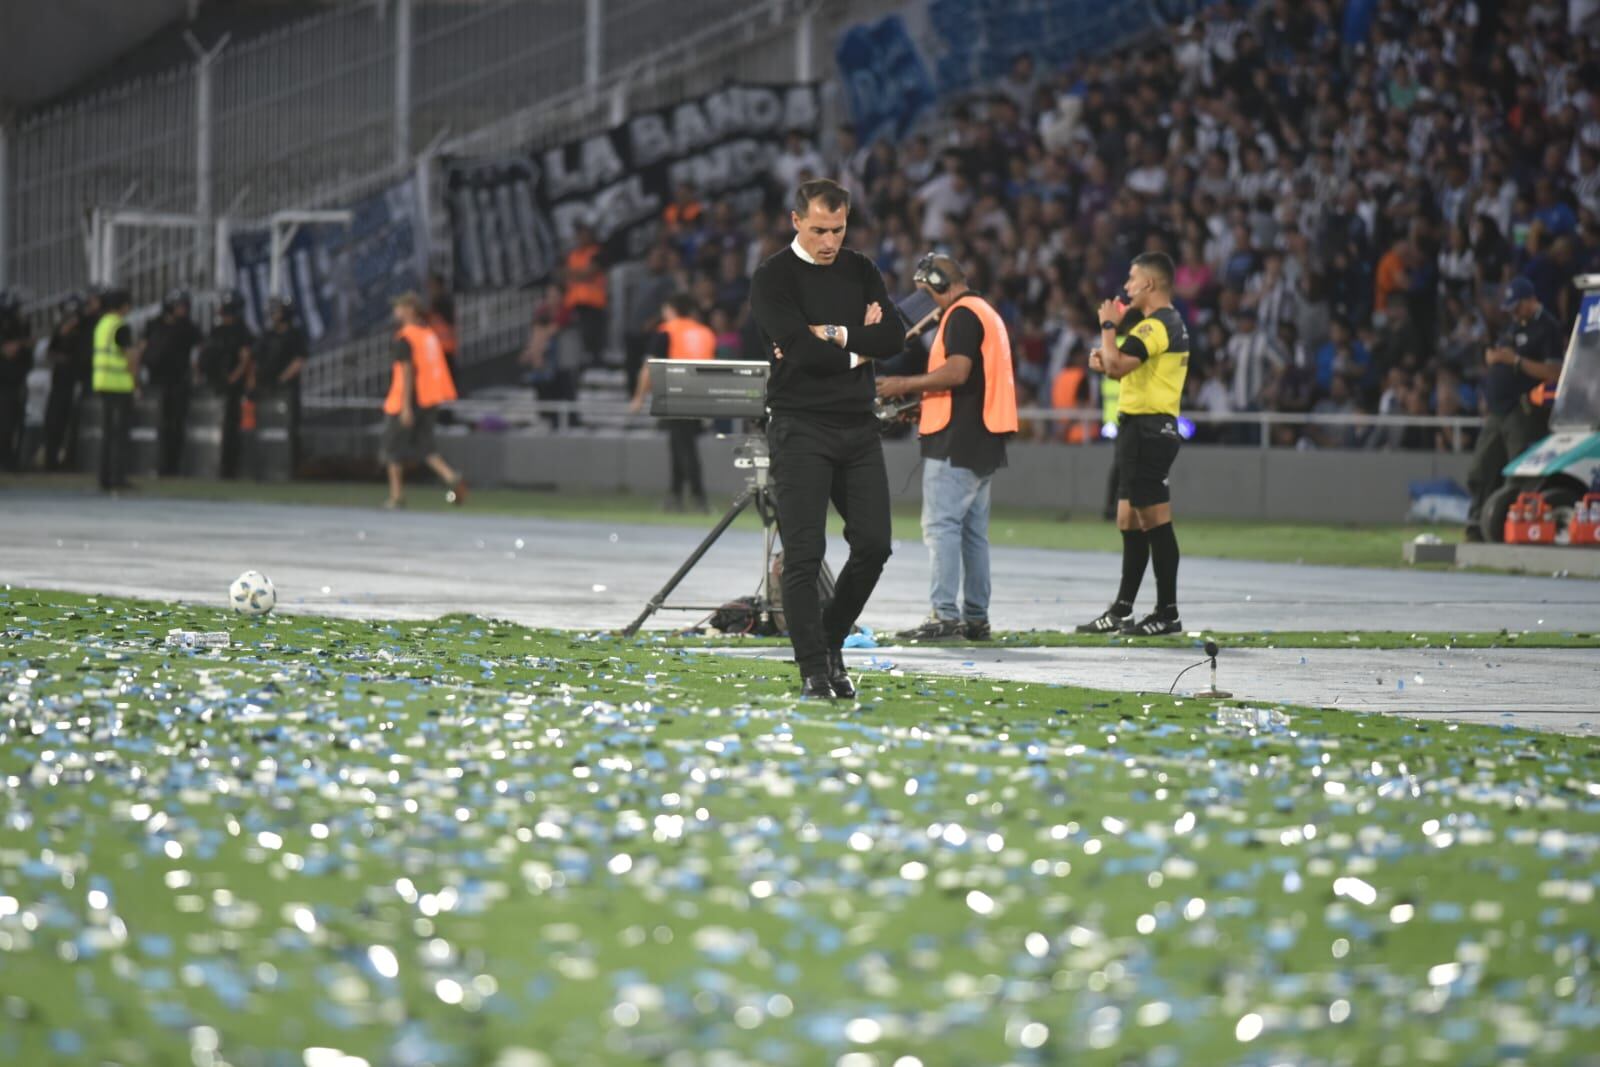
(715, 389)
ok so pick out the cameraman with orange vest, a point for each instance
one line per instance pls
(969, 408)
(420, 383)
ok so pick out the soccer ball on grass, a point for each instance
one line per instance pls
(252, 593)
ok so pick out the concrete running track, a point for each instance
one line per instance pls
(362, 561)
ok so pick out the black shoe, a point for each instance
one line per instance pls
(1473, 534)
(934, 630)
(977, 630)
(1111, 621)
(839, 677)
(1154, 625)
(816, 687)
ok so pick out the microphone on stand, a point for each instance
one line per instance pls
(1213, 693)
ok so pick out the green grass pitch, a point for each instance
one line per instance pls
(463, 842)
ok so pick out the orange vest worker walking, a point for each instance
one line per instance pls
(419, 384)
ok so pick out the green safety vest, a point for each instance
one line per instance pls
(111, 373)
(1110, 388)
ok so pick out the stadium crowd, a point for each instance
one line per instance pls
(1346, 202)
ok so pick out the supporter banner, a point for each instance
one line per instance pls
(884, 76)
(510, 217)
(341, 278)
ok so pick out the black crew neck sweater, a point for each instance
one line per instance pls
(814, 378)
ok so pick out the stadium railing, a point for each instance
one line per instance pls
(601, 414)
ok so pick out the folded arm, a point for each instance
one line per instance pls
(778, 313)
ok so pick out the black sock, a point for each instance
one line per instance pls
(1135, 554)
(1164, 560)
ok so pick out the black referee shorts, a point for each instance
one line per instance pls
(1146, 447)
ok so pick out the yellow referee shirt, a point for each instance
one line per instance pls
(1160, 342)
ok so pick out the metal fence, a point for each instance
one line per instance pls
(310, 115)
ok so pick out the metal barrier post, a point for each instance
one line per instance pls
(593, 42)
(804, 47)
(403, 23)
(204, 166)
(5, 201)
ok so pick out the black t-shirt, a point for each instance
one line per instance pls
(67, 346)
(966, 442)
(276, 350)
(16, 351)
(168, 347)
(1537, 340)
(220, 355)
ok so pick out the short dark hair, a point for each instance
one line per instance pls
(1159, 264)
(833, 195)
(682, 303)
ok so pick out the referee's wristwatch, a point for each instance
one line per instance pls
(1108, 325)
(831, 332)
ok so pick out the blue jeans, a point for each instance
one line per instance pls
(955, 527)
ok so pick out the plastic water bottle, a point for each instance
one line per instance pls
(198, 638)
(1252, 718)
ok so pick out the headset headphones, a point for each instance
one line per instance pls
(929, 274)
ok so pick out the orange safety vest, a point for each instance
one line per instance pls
(999, 381)
(688, 339)
(1064, 395)
(431, 373)
(585, 292)
(677, 214)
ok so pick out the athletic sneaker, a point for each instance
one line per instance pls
(1154, 625)
(1111, 621)
(456, 494)
(978, 630)
(935, 630)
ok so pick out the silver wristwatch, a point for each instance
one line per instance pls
(832, 333)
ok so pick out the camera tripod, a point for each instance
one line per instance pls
(750, 454)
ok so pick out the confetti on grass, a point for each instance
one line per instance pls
(464, 843)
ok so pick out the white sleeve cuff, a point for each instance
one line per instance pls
(844, 338)
(855, 361)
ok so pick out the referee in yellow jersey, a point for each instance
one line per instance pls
(1150, 366)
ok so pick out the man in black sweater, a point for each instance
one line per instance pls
(822, 308)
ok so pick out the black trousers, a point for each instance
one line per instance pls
(591, 333)
(635, 349)
(683, 439)
(13, 414)
(1502, 439)
(116, 418)
(814, 463)
(60, 418)
(232, 402)
(172, 427)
